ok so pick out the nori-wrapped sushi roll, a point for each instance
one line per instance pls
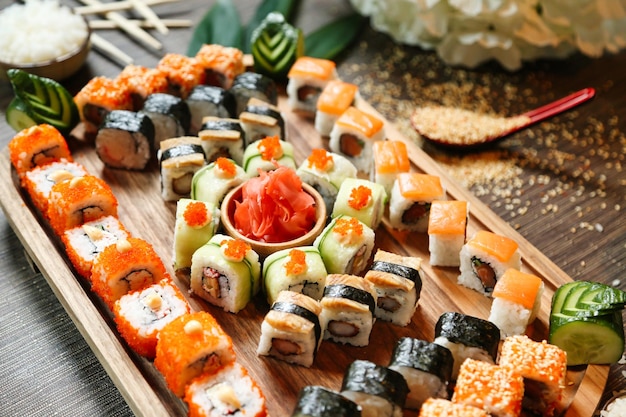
(125, 140)
(179, 159)
(317, 401)
(169, 114)
(251, 84)
(207, 100)
(261, 119)
(222, 137)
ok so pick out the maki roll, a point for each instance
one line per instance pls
(390, 159)
(300, 270)
(485, 258)
(125, 140)
(189, 346)
(140, 315)
(291, 331)
(212, 182)
(183, 73)
(380, 391)
(228, 391)
(251, 84)
(141, 82)
(447, 225)
(361, 199)
(426, 367)
(222, 137)
(307, 77)
(348, 309)
(36, 146)
(497, 390)
(353, 136)
(207, 100)
(411, 197)
(467, 337)
(334, 99)
(268, 154)
(397, 281)
(196, 223)
(226, 272)
(170, 116)
(325, 171)
(346, 245)
(98, 97)
(438, 407)
(221, 64)
(179, 160)
(260, 119)
(318, 401)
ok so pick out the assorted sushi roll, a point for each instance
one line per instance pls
(380, 391)
(390, 158)
(485, 258)
(141, 82)
(438, 407)
(179, 159)
(353, 136)
(299, 269)
(221, 64)
(426, 367)
(346, 245)
(268, 154)
(36, 146)
(183, 73)
(98, 97)
(261, 119)
(226, 272)
(170, 116)
(125, 140)
(222, 137)
(467, 337)
(209, 101)
(362, 199)
(318, 401)
(251, 84)
(292, 331)
(397, 281)
(447, 229)
(348, 306)
(307, 77)
(411, 197)
(212, 182)
(336, 97)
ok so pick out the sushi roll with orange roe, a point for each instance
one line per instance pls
(36, 146)
(98, 97)
(438, 407)
(128, 265)
(334, 99)
(140, 315)
(447, 225)
(307, 78)
(221, 64)
(412, 195)
(183, 73)
(390, 158)
(192, 345)
(79, 200)
(362, 199)
(142, 81)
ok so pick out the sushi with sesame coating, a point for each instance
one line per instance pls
(334, 99)
(222, 137)
(362, 199)
(438, 407)
(179, 159)
(196, 223)
(411, 197)
(447, 226)
(125, 140)
(37, 145)
(307, 77)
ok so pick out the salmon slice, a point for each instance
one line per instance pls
(364, 123)
(501, 247)
(420, 187)
(308, 67)
(391, 156)
(448, 217)
(336, 97)
(518, 287)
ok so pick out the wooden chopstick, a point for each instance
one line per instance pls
(110, 50)
(170, 23)
(144, 10)
(115, 6)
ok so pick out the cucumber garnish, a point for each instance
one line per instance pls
(275, 46)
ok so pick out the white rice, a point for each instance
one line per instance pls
(39, 31)
(616, 408)
(511, 318)
(422, 385)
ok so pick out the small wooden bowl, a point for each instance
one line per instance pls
(262, 248)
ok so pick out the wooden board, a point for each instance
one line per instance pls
(146, 215)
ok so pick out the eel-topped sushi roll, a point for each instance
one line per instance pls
(292, 331)
(485, 258)
(411, 197)
(183, 73)
(36, 146)
(334, 99)
(390, 159)
(251, 84)
(142, 81)
(170, 116)
(205, 101)
(397, 281)
(222, 137)
(226, 272)
(447, 226)
(179, 159)
(307, 77)
(212, 182)
(125, 140)
(318, 401)
(362, 199)
(268, 154)
(221, 64)
(439, 407)
(261, 119)
(98, 97)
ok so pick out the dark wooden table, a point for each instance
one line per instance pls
(560, 183)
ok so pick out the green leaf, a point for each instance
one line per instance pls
(285, 7)
(329, 40)
(220, 25)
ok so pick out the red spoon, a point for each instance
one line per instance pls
(459, 129)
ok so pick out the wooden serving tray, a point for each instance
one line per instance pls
(146, 215)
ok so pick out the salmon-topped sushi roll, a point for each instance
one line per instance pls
(221, 64)
(183, 73)
(353, 136)
(307, 77)
(336, 97)
(485, 258)
(447, 225)
(390, 158)
(36, 146)
(411, 197)
(98, 97)
(142, 81)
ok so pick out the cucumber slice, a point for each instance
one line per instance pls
(561, 293)
(571, 300)
(18, 115)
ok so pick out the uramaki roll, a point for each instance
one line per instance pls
(37, 145)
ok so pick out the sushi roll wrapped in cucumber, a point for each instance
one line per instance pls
(170, 116)
(125, 140)
(189, 346)
(228, 391)
(411, 197)
(179, 159)
(222, 137)
(353, 136)
(183, 73)
(140, 315)
(100, 96)
(362, 199)
(221, 64)
(36, 146)
(226, 272)
(380, 391)
(212, 182)
(251, 84)
(390, 159)
(397, 281)
(346, 245)
(439, 407)
(196, 223)
(292, 331)
(426, 367)
(485, 257)
(334, 99)
(142, 81)
(325, 171)
(467, 337)
(318, 401)
(299, 269)
(447, 226)
(207, 100)
(348, 308)
(267, 154)
(307, 77)
(497, 390)
(516, 302)
(261, 119)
